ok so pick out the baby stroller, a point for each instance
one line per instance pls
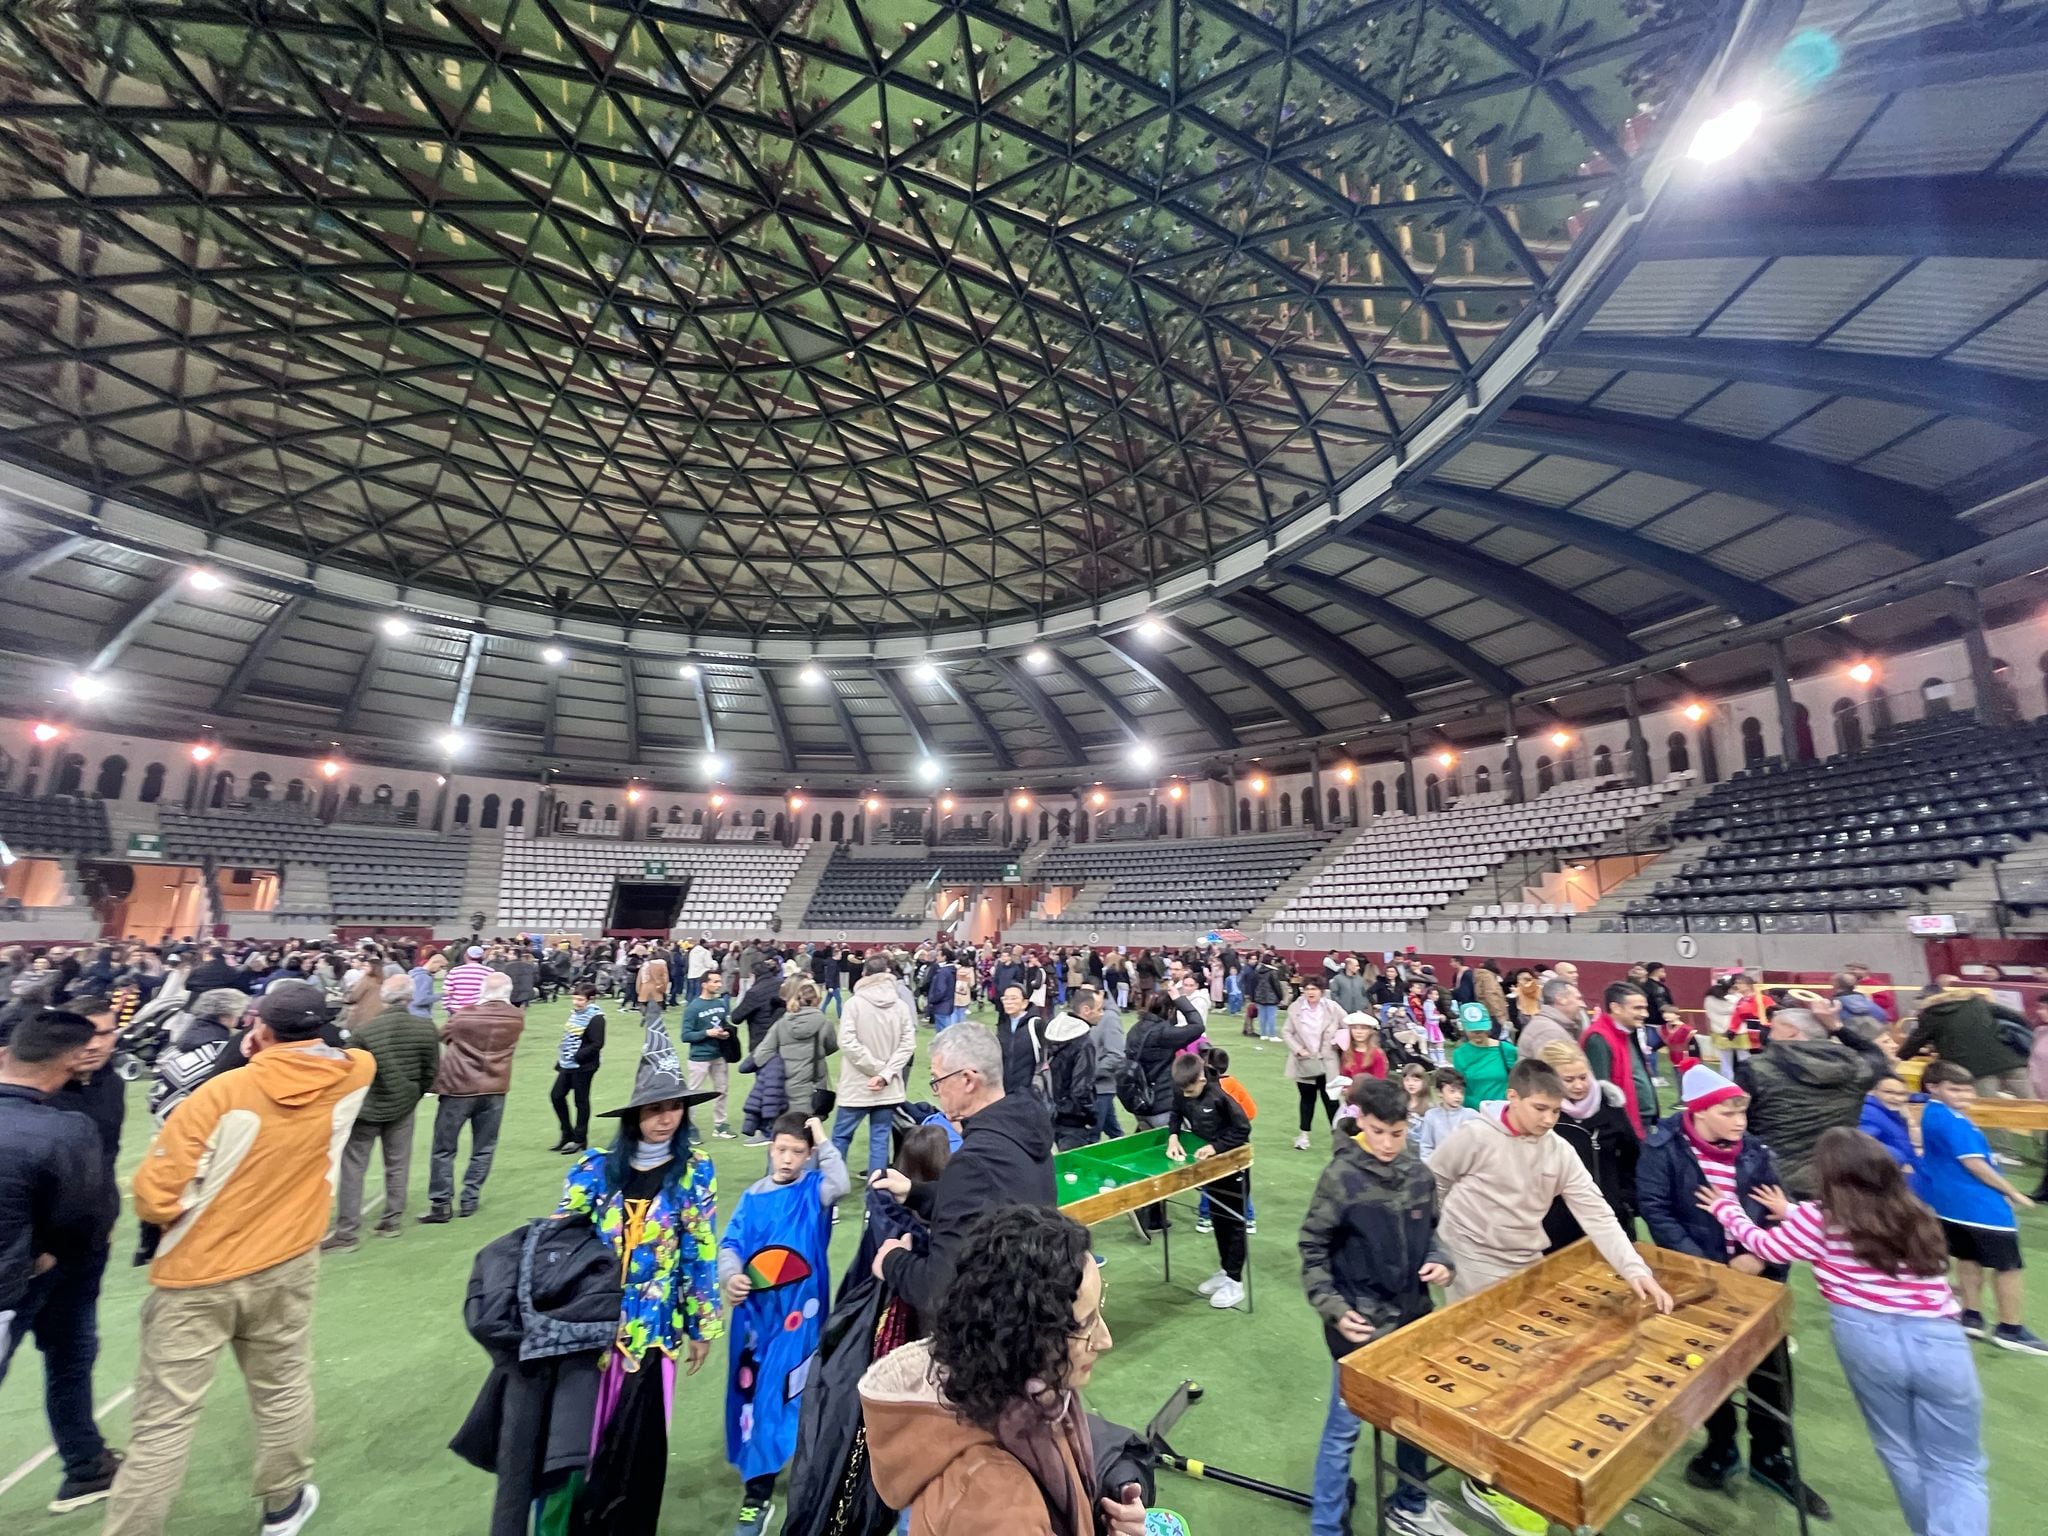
(144, 1037)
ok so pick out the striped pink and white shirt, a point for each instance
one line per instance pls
(465, 984)
(1844, 1278)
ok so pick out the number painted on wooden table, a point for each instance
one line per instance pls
(1610, 1421)
(1441, 1383)
(1469, 1362)
(1590, 1452)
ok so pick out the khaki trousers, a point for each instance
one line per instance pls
(267, 1318)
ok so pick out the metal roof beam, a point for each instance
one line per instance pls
(1497, 581)
(2003, 217)
(629, 690)
(1748, 600)
(1291, 709)
(472, 658)
(36, 561)
(373, 658)
(1169, 679)
(135, 618)
(259, 652)
(1026, 688)
(1866, 505)
(1927, 384)
(996, 746)
(551, 697)
(920, 732)
(1417, 631)
(854, 744)
(1324, 648)
(1097, 690)
(778, 719)
(704, 709)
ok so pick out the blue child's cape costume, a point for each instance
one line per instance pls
(781, 1233)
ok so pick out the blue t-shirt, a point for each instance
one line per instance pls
(1957, 1195)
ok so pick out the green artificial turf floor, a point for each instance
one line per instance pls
(396, 1372)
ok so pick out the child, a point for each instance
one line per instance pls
(1708, 1146)
(576, 1061)
(1369, 1253)
(1217, 1060)
(1485, 1061)
(1202, 1107)
(1959, 1179)
(1884, 1121)
(1879, 1258)
(1415, 1087)
(772, 1268)
(1495, 1179)
(1449, 1114)
(1358, 1048)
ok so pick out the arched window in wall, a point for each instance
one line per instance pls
(1935, 697)
(817, 827)
(295, 792)
(839, 826)
(1432, 792)
(1286, 809)
(223, 790)
(1752, 741)
(1848, 726)
(381, 796)
(759, 819)
(1677, 757)
(354, 797)
(1603, 762)
(70, 778)
(112, 779)
(697, 817)
(259, 786)
(462, 810)
(586, 810)
(860, 827)
(1802, 734)
(1482, 780)
(487, 817)
(1379, 798)
(611, 813)
(1244, 815)
(1044, 825)
(781, 826)
(152, 784)
(518, 816)
(1335, 806)
(410, 807)
(1404, 796)
(1065, 823)
(1545, 774)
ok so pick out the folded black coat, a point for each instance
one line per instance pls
(544, 1301)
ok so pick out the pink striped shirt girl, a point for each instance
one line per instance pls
(1843, 1278)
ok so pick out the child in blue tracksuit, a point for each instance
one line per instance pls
(772, 1268)
(1884, 1121)
(1959, 1178)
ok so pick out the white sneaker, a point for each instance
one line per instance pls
(1213, 1284)
(1301, 1142)
(1228, 1294)
(289, 1522)
(1433, 1519)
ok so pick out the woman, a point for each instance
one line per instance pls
(1882, 1265)
(1719, 1008)
(803, 1037)
(653, 1198)
(1594, 1124)
(980, 1427)
(1528, 996)
(1313, 1024)
(1267, 985)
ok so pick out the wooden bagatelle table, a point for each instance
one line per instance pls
(1559, 1387)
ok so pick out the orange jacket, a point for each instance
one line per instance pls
(1239, 1092)
(241, 1174)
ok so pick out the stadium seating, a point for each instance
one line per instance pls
(53, 824)
(1408, 868)
(564, 884)
(375, 874)
(1175, 883)
(1866, 832)
(868, 891)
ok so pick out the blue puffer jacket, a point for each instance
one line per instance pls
(1668, 1181)
(1889, 1130)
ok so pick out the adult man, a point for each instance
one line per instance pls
(650, 987)
(877, 1033)
(705, 1030)
(238, 1176)
(407, 1050)
(1857, 1009)
(1009, 971)
(1349, 988)
(939, 987)
(423, 977)
(1070, 1070)
(1005, 1158)
(1559, 1009)
(214, 971)
(472, 1080)
(56, 1211)
(518, 964)
(1614, 1047)
(1462, 981)
(1959, 1025)
(824, 964)
(1804, 1082)
(1017, 1032)
(465, 983)
(702, 963)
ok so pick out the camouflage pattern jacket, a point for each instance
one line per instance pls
(1370, 1228)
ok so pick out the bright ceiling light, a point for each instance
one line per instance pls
(1725, 132)
(717, 801)
(796, 802)
(687, 671)
(946, 804)
(1445, 758)
(89, 685)
(926, 673)
(930, 771)
(810, 677)
(713, 765)
(632, 797)
(1151, 629)
(1037, 656)
(1257, 786)
(1022, 802)
(201, 752)
(451, 742)
(201, 579)
(873, 805)
(1695, 712)
(1863, 672)
(1175, 792)
(1098, 799)
(330, 769)
(1560, 738)
(553, 655)
(395, 628)
(1143, 754)
(44, 732)
(1346, 773)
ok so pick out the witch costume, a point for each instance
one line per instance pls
(654, 1207)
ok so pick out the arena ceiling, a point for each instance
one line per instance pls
(1006, 384)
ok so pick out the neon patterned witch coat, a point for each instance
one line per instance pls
(668, 1255)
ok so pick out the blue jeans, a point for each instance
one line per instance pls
(692, 986)
(1250, 1213)
(62, 1310)
(1333, 1468)
(1269, 1021)
(847, 1121)
(1916, 1383)
(1106, 1122)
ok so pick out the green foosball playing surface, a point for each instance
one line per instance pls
(1087, 1171)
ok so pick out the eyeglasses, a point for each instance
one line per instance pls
(1090, 1327)
(947, 1077)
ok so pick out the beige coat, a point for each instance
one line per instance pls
(877, 1033)
(1310, 1035)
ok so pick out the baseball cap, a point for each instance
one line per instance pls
(1473, 1016)
(475, 951)
(294, 1010)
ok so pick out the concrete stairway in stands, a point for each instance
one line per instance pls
(482, 879)
(803, 885)
(301, 888)
(1255, 921)
(1617, 897)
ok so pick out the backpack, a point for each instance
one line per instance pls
(2014, 1035)
(1134, 1087)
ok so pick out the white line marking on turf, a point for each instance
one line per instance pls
(27, 1468)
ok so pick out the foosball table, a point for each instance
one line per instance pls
(1559, 1387)
(1116, 1178)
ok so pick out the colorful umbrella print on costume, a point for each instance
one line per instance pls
(777, 1266)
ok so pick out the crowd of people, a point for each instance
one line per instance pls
(1477, 1121)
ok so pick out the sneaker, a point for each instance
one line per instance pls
(725, 1133)
(436, 1215)
(1713, 1468)
(1502, 1512)
(1229, 1294)
(1144, 1232)
(1301, 1142)
(339, 1244)
(1203, 1226)
(1251, 1229)
(571, 1148)
(1776, 1475)
(754, 1518)
(1213, 1284)
(77, 1492)
(390, 1226)
(561, 1146)
(1099, 1259)
(292, 1520)
(2020, 1338)
(1973, 1324)
(465, 1211)
(1433, 1519)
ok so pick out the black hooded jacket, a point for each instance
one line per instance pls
(761, 1005)
(1005, 1158)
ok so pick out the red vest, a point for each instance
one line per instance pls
(1621, 1052)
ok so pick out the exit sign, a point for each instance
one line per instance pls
(654, 868)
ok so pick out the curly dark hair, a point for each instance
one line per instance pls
(1010, 1311)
